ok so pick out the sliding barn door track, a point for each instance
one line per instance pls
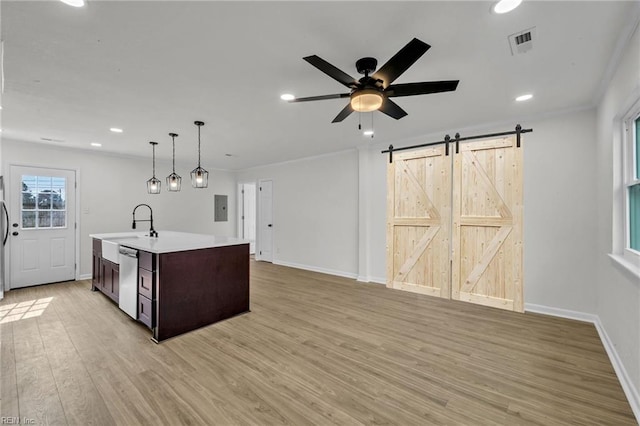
(457, 139)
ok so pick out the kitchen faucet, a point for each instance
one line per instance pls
(152, 232)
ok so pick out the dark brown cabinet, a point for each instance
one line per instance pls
(110, 279)
(105, 274)
(96, 282)
(146, 288)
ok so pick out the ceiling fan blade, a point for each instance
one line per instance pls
(392, 109)
(401, 61)
(331, 71)
(343, 114)
(424, 88)
(321, 98)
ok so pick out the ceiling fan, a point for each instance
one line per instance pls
(372, 92)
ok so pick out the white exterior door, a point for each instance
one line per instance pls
(42, 226)
(265, 224)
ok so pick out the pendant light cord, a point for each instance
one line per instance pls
(173, 138)
(199, 145)
(154, 160)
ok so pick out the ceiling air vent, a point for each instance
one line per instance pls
(522, 42)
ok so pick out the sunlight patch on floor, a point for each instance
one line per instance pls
(29, 309)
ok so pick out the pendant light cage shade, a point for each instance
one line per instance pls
(174, 180)
(153, 184)
(199, 176)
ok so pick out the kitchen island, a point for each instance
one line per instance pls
(182, 282)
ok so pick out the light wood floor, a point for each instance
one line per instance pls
(315, 349)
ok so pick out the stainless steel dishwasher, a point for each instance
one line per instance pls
(128, 297)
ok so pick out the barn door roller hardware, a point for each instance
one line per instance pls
(457, 139)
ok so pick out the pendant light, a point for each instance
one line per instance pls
(174, 180)
(199, 176)
(153, 184)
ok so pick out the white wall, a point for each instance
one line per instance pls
(560, 212)
(618, 291)
(315, 211)
(111, 186)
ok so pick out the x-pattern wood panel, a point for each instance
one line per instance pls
(419, 190)
(487, 184)
(487, 267)
(418, 222)
(488, 255)
(419, 249)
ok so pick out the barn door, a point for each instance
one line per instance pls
(418, 222)
(487, 224)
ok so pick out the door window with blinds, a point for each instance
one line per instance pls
(43, 202)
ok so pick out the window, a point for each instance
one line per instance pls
(633, 185)
(44, 202)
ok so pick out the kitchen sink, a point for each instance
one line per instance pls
(111, 246)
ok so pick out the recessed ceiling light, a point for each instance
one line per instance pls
(526, 97)
(74, 3)
(287, 97)
(368, 133)
(115, 130)
(504, 6)
(96, 144)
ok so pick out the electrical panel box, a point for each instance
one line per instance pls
(220, 208)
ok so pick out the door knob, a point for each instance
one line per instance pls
(14, 233)
(15, 225)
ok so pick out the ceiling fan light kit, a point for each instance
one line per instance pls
(373, 91)
(366, 100)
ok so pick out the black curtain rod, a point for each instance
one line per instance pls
(447, 139)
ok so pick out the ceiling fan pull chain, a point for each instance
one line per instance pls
(372, 132)
(359, 121)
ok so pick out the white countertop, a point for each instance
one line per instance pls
(168, 241)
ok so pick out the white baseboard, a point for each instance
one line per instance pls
(375, 280)
(316, 269)
(84, 277)
(628, 387)
(562, 313)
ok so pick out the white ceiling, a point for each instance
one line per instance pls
(154, 67)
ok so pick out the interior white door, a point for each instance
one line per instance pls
(42, 226)
(265, 224)
(249, 215)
